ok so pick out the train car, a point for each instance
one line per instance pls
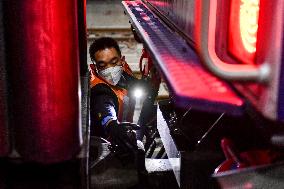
(223, 64)
(222, 125)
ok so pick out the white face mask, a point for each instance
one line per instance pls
(112, 74)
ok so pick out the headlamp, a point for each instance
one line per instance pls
(138, 92)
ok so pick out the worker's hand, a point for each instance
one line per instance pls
(129, 126)
(122, 136)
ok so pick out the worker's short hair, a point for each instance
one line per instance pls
(101, 44)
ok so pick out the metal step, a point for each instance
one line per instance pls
(191, 85)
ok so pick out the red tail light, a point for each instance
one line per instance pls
(243, 29)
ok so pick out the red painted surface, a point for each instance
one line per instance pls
(44, 69)
(236, 160)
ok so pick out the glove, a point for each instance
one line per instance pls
(122, 136)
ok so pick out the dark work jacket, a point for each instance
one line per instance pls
(110, 102)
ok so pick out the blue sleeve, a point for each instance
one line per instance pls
(105, 107)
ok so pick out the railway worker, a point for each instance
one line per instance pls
(110, 104)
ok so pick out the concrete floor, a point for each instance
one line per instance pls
(106, 14)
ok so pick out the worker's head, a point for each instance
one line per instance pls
(106, 55)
